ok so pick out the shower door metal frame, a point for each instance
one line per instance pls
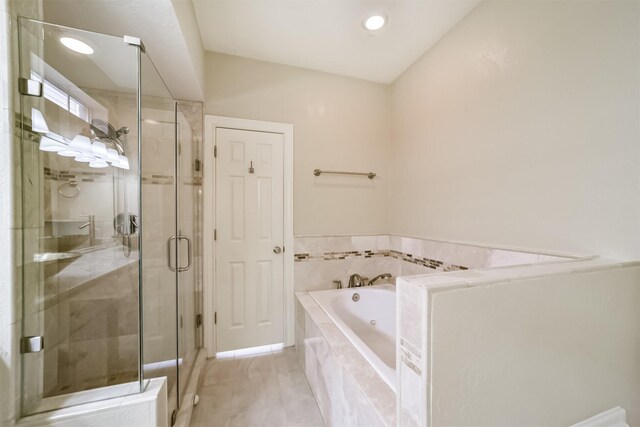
(137, 43)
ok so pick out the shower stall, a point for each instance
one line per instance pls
(111, 215)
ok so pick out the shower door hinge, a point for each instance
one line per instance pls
(198, 320)
(215, 318)
(215, 234)
(33, 344)
(134, 41)
(215, 151)
(29, 87)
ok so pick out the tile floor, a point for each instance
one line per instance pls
(261, 390)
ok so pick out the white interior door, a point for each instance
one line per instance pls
(250, 236)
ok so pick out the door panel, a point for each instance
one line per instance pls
(265, 207)
(237, 208)
(237, 289)
(249, 214)
(265, 294)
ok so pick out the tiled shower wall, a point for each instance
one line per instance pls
(11, 229)
(92, 327)
(320, 260)
(9, 316)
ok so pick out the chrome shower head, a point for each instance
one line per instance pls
(107, 133)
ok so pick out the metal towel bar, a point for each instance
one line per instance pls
(370, 175)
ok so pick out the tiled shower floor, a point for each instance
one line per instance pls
(261, 390)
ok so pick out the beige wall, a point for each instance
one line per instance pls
(340, 123)
(522, 127)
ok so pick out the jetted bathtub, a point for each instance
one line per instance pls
(367, 316)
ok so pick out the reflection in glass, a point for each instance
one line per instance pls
(80, 272)
(107, 281)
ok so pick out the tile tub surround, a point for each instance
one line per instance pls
(320, 260)
(458, 330)
(348, 390)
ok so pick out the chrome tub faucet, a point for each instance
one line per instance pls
(357, 281)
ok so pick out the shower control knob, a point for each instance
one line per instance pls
(277, 249)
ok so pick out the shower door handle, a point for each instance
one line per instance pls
(169, 252)
(181, 269)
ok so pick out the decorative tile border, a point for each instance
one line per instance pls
(417, 253)
(328, 256)
(425, 262)
(90, 176)
(157, 179)
(81, 176)
(168, 180)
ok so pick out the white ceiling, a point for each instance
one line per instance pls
(328, 35)
(324, 35)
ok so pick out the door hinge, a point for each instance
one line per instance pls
(215, 318)
(215, 151)
(29, 87)
(134, 41)
(33, 344)
(198, 165)
(198, 320)
(215, 234)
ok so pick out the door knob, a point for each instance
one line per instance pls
(277, 249)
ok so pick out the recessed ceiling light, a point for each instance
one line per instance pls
(76, 45)
(375, 22)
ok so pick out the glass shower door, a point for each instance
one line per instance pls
(80, 198)
(160, 245)
(110, 221)
(169, 224)
(189, 193)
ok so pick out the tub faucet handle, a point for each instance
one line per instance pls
(338, 284)
(356, 281)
